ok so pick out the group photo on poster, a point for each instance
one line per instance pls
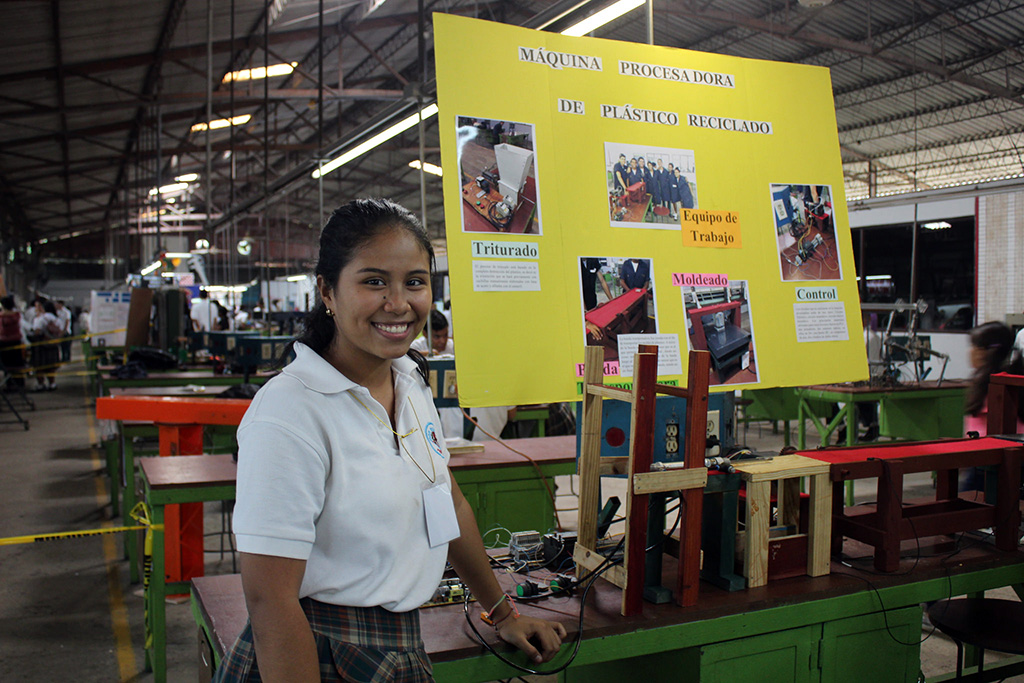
(617, 297)
(718, 321)
(648, 186)
(805, 232)
(498, 175)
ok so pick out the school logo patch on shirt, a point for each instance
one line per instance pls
(433, 440)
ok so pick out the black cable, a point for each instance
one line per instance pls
(603, 567)
(885, 610)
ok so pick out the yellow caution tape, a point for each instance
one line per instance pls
(140, 513)
(60, 535)
(60, 340)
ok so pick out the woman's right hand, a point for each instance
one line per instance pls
(538, 638)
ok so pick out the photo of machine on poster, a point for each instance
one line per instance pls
(718, 320)
(648, 186)
(498, 175)
(617, 296)
(805, 232)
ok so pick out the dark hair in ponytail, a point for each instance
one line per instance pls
(347, 230)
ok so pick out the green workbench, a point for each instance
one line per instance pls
(504, 488)
(849, 626)
(169, 481)
(911, 412)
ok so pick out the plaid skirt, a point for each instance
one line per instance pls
(354, 644)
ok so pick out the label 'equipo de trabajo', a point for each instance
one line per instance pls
(703, 228)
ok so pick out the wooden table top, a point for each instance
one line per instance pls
(780, 467)
(544, 450)
(197, 390)
(216, 470)
(180, 471)
(928, 385)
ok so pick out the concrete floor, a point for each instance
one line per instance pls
(67, 609)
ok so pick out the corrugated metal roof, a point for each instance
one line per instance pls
(928, 93)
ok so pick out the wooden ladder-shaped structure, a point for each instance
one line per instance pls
(642, 482)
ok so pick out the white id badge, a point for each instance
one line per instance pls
(442, 524)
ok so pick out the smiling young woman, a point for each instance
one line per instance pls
(346, 512)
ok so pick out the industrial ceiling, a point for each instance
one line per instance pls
(98, 101)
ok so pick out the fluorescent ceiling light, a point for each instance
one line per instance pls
(599, 19)
(216, 124)
(878, 277)
(187, 178)
(224, 288)
(150, 268)
(166, 189)
(378, 139)
(297, 278)
(936, 225)
(177, 254)
(260, 72)
(427, 166)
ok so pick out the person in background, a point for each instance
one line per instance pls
(672, 182)
(661, 178)
(346, 511)
(685, 195)
(591, 277)
(991, 346)
(220, 317)
(620, 173)
(1018, 343)
(202, 313)
(12, 341)
(635, 176)
(83, 322)
(635, 273)
(440, 342)
(64, 315)
(46, 327)
(653, 185)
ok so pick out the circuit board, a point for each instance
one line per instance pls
(449, 592)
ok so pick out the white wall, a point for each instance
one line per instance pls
(957, 346)
(1000, 255)
(863, 216)
(76, 292)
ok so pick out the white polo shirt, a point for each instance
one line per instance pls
(321, 479)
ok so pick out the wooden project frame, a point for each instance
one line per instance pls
(642, 481)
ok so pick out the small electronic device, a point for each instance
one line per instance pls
(449, 592)
(526, 547)
(806, 252)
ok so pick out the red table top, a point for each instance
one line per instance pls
(603, 315)
(172, 410)
(714, 308)
(908, 450)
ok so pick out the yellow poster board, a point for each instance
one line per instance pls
(734, 239)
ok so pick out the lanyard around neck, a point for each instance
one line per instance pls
(432, 477)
